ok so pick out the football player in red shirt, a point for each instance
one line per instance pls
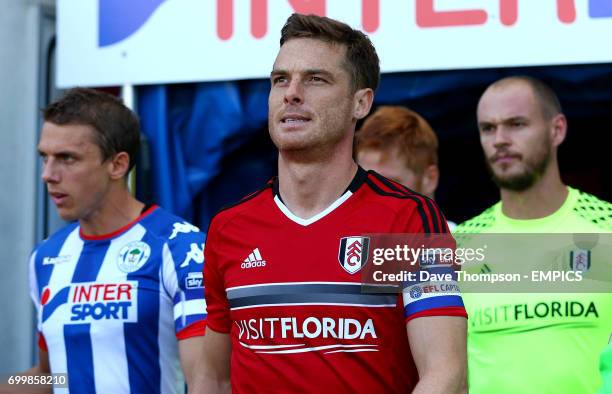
(282, 267)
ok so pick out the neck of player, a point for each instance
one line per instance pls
(308, 187)
(116, 209)
(542, 199)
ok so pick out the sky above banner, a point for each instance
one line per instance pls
(114, 42)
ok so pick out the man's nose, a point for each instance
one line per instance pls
(295, 92)
(50, 172)
(501, 137)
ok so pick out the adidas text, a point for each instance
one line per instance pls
(253, 264)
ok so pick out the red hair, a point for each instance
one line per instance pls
(398, 128)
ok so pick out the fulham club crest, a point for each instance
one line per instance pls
(580, 260)
(353, 253)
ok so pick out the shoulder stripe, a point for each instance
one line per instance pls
(393, 186)
(436, 215)
(430, 215)
(424, 218)
(420, 209)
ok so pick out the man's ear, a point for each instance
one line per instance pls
(362, 104)
(118, 165)
(429, 181)
(558, 129)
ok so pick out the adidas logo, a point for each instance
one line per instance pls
(254, 260)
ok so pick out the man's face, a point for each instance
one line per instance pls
(76, 177)
(311, 100)
(390, 166)
(515, 135)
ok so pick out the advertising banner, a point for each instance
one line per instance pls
(114, 42)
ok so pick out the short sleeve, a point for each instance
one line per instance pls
(183, 260)
(34, 295)
(218, 306)
(434, 290)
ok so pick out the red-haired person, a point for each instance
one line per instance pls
(399, 144)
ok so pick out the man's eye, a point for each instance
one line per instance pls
(316, 79)
(278, 80)
(67, 158)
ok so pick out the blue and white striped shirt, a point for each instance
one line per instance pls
(110, 308)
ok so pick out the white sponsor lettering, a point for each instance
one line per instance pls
(56, 260)
(311, 327)
(253, 264)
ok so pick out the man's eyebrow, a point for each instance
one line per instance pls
(309, 71)
(60, 153)
(277, 72)
(327, 74)
(515, 118)
(505, 120)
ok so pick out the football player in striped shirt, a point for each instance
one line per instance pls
(119, 290)
(283, 266)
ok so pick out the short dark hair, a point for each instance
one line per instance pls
(361, 59)
(116, 127)
(395, 127)
(545, 96)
